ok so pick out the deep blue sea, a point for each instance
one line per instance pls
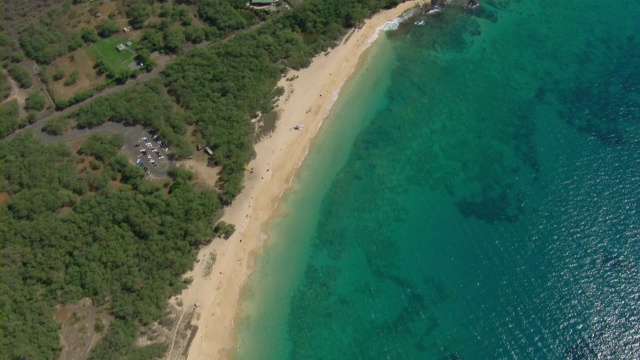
(475, 194)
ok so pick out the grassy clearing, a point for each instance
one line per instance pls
(81, 60)
(106, 51)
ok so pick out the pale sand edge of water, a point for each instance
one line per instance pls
(307, 101)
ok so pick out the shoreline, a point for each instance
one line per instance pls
(307, 101)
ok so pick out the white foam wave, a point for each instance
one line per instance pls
(436, 9)
(391, 25)
(334, 97)
(263, 237)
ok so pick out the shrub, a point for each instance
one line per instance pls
(138, 13)
(98, 326)
(32, 117)
(5, 86)
(16, 57)
(35, 101)
(56, 126)
(165, 11)
(173, 40)
(20, 75)
(72, 79)
(224, 230)
(107, 28)
(8, 117)
(75, 42)
(151, 40)
(58, 75)
(89, 35)
(96, 164)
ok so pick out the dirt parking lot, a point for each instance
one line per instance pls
(148, 151)
(153, 158)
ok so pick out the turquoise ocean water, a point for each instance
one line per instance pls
(475, 194)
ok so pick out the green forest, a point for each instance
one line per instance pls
(87, 224)
(69, 233)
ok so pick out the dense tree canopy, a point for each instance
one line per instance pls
(101, 147)
(9, 113)
(50, 38)
(123, 248)
(138, 13)
(9, 50)
(173, 40)
(221, 15)
(42, 44)
(152, 40)
(222, 88)
(5, 86)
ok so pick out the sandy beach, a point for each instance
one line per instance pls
(307, 101)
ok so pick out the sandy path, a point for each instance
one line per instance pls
(307, 101)
(16, 93)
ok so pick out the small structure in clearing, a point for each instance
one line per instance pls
(208, 150)
(120, 47)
